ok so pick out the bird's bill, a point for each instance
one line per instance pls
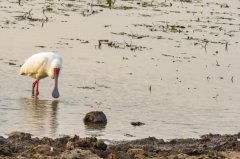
(55, 92)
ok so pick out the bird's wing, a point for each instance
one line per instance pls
(34, 67)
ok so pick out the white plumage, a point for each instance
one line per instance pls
(41, 65)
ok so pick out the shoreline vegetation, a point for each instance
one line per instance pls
(22, 145)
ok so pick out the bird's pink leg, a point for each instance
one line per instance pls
(37, 92)
(33, 86)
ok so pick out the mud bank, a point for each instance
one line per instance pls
(23, 145)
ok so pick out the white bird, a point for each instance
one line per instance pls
(41, 65)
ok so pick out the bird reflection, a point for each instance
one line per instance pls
(40, 115)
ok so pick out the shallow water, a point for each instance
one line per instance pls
(187, 52)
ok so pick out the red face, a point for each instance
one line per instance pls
(56, 71)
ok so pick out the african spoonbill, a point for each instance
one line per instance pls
(41, 65)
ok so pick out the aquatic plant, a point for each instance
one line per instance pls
(110, 3)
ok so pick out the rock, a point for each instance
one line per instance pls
(19, 135)
(182, 156)
(40, 151)
(100, 145)
(118, 155)
(88, 142)
(84, 143)
(61, 142)
(80, 154)
(231, 154)
(43, 149)
(46, 140)
(5, 150)
(70, 145)
(95, 117)
(136, 153)
(2, 140)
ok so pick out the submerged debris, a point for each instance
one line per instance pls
(118, 45)
(138, 123)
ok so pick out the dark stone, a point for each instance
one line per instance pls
(5, 151)
(83, 143)
(137, 123)
(19, 136)
(118, 155)
(2, 140)
(100, 145)
(95, 117)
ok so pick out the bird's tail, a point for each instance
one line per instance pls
(21, 72)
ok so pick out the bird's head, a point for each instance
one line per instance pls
(55, 68)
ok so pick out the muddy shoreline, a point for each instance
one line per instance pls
(23, 145)
(154, 67)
